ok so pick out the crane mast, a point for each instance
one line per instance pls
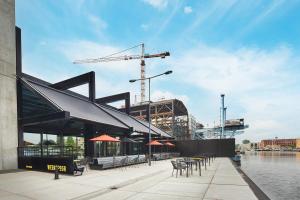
(130, 57)
(143, 74)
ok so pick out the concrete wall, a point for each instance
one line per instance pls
(8, 93)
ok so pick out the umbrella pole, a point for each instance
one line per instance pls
(99, 148)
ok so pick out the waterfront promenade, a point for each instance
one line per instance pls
(220, 181)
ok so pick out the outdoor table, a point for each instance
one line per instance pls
(204, 158)
(189, 163)
(198, 161)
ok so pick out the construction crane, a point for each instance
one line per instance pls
(142, 57)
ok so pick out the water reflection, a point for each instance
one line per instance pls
(276, 173)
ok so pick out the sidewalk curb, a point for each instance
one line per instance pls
(256, 190)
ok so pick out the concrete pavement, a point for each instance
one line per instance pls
(219, 181)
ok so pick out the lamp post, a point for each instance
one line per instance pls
(223, 115)
(149, 109)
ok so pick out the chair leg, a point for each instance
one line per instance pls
(176, 173)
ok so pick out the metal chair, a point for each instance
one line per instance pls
(177, 166)
(78, 168)
(124, 162)
(85, 162)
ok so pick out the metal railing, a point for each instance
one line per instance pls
(46, 151)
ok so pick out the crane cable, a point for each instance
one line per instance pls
(122, 51)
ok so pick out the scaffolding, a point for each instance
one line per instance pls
(169, 115)
(232, 128)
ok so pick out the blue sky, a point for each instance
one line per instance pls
(248, 50)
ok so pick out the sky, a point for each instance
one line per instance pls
(248, 50)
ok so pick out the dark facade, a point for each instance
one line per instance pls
(219, 147)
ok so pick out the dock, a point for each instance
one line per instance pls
(221, 180)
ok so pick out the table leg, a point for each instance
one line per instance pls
(187, 170)
(200, 168)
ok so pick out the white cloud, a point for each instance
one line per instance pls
(160, 95)
(111, 77)
(104, 87)
(166, 21)
(42, 43)
(266, 13)
(211, 14)
(145, 27)
(263, 84)
(83, 49)
(98, 23)
(158, 4)
(187, 9)
(243, 70)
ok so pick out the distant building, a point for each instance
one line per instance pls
(278, 143)
(298, 143)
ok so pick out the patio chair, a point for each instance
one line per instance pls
(135, 161)
(178, 160)
(85, 162)
(78, 168)
(124, 162)
(177, 166)
(146, 159)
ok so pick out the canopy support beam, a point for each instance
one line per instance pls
(117, 97)
(77, 81)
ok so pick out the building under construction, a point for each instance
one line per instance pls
(169, 115)
(232, 128)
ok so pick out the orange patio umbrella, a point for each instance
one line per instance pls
(155, 143)
(104, 138)
(170, 144)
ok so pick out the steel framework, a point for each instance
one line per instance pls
(169, 115)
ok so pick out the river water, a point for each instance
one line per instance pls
(276, 173)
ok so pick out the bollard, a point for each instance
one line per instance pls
(56, 174)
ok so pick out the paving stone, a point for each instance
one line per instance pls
(229, 192)
(220, 181)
